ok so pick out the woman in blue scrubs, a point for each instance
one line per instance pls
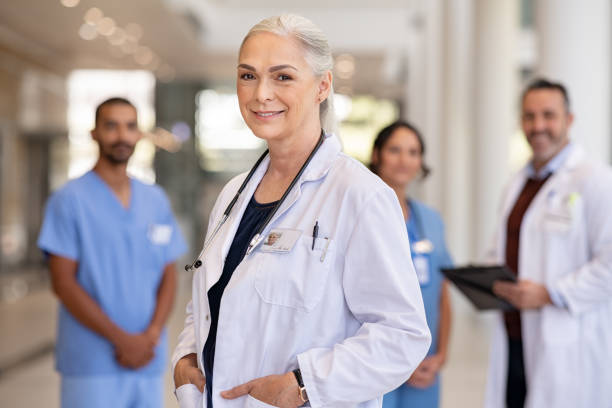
(397, 158)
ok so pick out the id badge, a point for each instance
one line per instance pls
(421, 266)
(280, 240)
(160, 234)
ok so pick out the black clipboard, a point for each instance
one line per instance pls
(476, 283)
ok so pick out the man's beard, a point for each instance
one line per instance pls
(117, 153)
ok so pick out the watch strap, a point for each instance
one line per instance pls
(302, 390)
(298, 377)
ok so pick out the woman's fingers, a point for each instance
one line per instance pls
(238, 391)
(198, 380)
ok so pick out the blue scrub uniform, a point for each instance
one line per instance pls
(121, 254)
(429, 254)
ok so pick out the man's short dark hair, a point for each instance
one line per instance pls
(112, 101)
(543, 83)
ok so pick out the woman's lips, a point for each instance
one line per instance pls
(267, 114)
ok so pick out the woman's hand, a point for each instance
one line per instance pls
(425, 374)
(278, 390)
(186, 371)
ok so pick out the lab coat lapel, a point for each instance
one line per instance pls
(227, 233)
(317, 169)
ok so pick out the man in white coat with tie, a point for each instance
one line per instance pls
(555, 233)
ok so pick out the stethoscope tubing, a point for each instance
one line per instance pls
(257, 237)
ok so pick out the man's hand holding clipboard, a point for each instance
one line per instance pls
(523, 294)
(479, 283)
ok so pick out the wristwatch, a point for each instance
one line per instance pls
(302, 389)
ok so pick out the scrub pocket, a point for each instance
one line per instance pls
(189, 396)
(252, 402)
(296, 278)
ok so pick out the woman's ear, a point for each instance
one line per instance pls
(325, 86)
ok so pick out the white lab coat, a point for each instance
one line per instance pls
(566, 243)
(351, 317)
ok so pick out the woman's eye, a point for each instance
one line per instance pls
(247, 76)
(284, 77)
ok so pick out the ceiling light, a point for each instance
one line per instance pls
(93, 16)
(87, 32)
(70, 3)
(106, 26)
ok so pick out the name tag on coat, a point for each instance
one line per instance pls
(280, 240)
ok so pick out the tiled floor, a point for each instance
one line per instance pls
(29, 324)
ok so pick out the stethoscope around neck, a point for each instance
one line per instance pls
(257, 237)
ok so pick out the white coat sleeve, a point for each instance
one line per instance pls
(591, 284)
(381, 290)
(186, 341)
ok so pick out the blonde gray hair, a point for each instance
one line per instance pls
(316, 49)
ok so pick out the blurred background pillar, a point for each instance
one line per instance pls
(424, 90)
(496, 84)
(574, 48)
(457, 127)
(179, 173)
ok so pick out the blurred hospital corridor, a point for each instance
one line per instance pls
(453, 76)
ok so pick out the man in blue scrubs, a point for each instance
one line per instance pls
(111, 243)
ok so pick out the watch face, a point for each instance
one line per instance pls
(303, 394)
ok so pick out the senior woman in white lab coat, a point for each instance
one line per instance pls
(306, 294)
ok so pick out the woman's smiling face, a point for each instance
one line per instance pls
(278, 92)
(400, 160)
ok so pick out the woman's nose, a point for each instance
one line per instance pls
(264, 91)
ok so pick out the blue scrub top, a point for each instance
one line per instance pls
(425, 224)
(121, 253)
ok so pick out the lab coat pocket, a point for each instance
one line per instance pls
(297, 278)
(557, 223)
(558, 326)
(253, 402)
(562, 212)
(189, 396)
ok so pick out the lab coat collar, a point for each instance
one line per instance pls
(575, 157)
(316, 170)
(553, 164)
(323, 160)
